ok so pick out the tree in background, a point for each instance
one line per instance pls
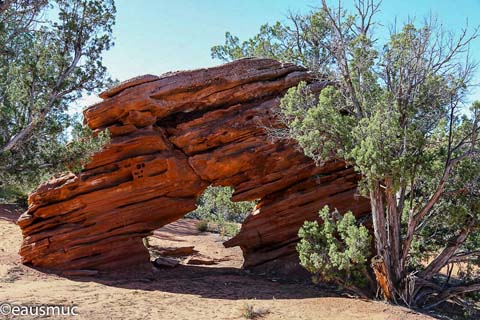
(299, 42)
(397, 113)
(51, 56)
(216, 207)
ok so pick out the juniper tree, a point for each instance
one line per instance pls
(397, 112)
(51, 56)
(300, 41)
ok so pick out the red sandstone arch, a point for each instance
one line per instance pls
(172, 136)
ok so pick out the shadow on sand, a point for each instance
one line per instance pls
(10, 212)
(211, 282)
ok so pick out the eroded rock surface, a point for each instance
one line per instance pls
(172, 136)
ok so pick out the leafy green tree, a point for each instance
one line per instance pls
(78, 152)
(52, 55)
(299, 42)
(217, 201)
(396, 112)
(336, 250)
(215, 206)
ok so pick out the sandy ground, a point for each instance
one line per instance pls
(217, 291)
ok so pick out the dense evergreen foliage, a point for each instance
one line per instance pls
(335, 250)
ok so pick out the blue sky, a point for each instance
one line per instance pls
(156, 36)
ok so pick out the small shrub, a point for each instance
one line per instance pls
(229, 230)
(337, 250)
(202, 226)
(224, 228)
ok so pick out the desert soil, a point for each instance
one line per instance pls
(220, 290)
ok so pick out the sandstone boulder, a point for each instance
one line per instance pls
(172, 136)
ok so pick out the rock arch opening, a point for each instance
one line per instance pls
(172, 136)
(198, 237)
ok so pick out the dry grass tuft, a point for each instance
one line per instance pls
(248, 311)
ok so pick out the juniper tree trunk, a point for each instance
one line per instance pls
(386, 227)
(393, 232)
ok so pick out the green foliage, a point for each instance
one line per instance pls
(10, 192)
(336, 250)
(52, 55)
(70, 152)
(84, 144)
(219, 213)
(224, 228)
(230, 229)
(216, 205)
(299, 41)
(317, 123)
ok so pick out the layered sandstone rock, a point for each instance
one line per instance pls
(172, 136)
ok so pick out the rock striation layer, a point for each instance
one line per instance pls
(171, 137)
